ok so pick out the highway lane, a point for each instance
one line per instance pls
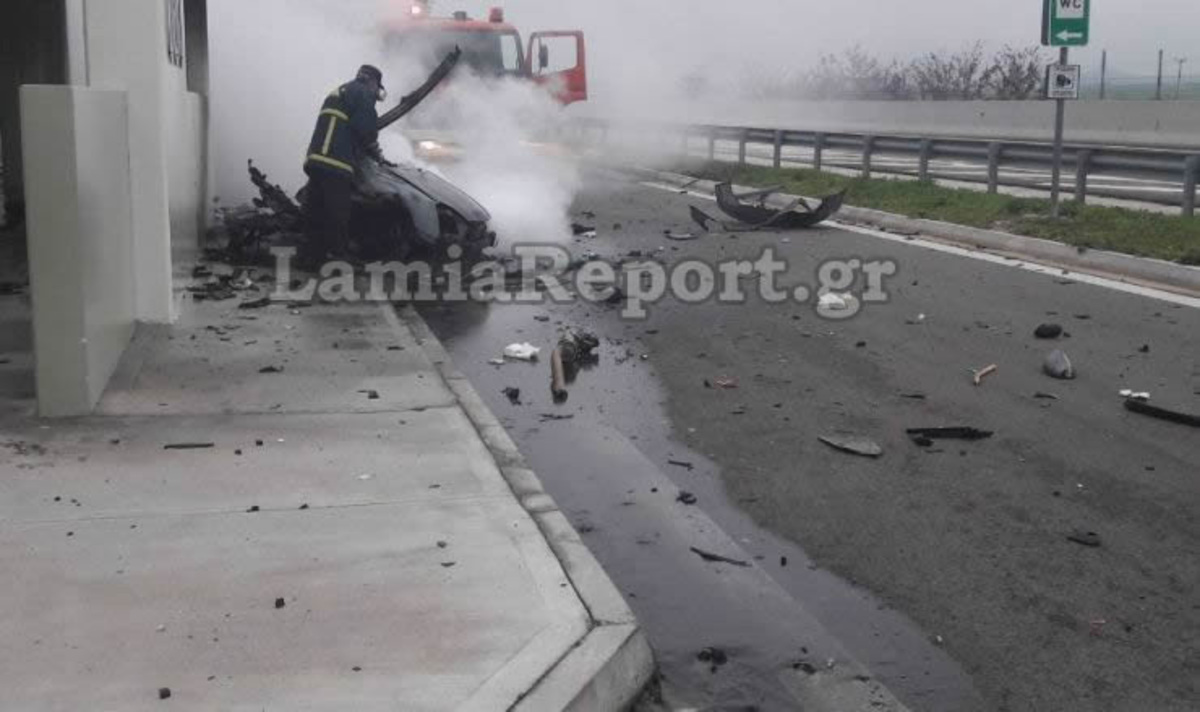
(967, 540)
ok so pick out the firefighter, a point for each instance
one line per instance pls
(346, 132)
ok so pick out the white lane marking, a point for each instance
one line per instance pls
(983, 255)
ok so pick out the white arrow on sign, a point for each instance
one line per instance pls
(1067, 36)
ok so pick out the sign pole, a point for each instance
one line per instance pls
(1065, 24)
(1059, 121)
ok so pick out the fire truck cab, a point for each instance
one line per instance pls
(556, 60)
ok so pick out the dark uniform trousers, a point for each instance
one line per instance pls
(327, 212)
(345, 134)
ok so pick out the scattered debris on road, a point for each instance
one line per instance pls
(280, 603)
(558, 377)
(1136, 395)
(679, 236)
(1048, 331)
(575, 349)
(164, 693)
(835, 302)
(687, 498)
(713, 657)
(513, 395)
(718, 559)
(1088, 539)
(681, 463)
(978, 376)
(554, 417)
(578, 347)
(950, 433)
(269, 370)
(189, 446)
(853, 444)
(24, 449)
(260, 303)
(755, 215)
(522, 352)
(370, 394)
(1142, 408)
(1040, 395)
(583, 230)
(1058, 365)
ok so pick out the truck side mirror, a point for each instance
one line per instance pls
(543, 56)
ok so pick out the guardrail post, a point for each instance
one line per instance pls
(868, 149)
(712, 145)
(923, 163)
(742, 140)
(995, 150)
(1083, 166)
(778, 149)
(818, 150)
(1191, 171)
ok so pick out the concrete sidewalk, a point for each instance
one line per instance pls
(361, 534)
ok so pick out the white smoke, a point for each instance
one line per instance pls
(503, 131)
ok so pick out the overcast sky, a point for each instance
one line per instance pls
(794, 32)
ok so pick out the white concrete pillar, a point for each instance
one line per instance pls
(80, 241)
(126, 49)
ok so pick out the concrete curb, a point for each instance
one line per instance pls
(609, 668)
(1143, 271)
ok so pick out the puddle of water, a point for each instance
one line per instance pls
(603, 467)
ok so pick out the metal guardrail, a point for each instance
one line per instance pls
(1174, 167)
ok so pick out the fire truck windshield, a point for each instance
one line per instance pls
(488, 54)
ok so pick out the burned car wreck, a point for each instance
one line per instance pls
(399, 211)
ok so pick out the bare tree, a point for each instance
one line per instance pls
(1017, 73)
(1012, 74)
(962, 75)
(855, 75)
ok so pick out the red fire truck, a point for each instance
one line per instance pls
(492, 47)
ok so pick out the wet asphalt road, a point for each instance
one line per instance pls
(947, 570)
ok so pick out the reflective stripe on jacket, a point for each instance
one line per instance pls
(346, 129)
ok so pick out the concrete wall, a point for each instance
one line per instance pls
(1167, 124)
(81, 247)
(126, 50)
(187, 172)
(125, 46)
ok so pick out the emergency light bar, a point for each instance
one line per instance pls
(420, 8)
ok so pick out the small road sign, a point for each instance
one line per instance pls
(1062, 81)
(1066, 23)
